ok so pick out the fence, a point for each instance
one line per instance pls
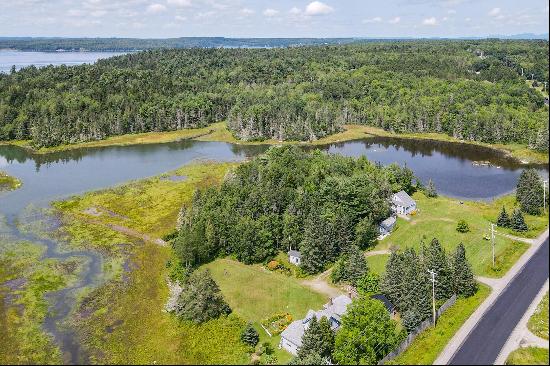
(412, 335)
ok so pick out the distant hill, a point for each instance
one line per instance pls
(523, 36)
(135, 44)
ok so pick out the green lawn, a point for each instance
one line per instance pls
(429, 344)
(377, 263)
(538, 323)
(528, 356)
(438, 217)
(255, 293)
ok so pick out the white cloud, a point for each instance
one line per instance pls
(494, 12)
(444, 19)
(179, 18)
(75, 13)
(372, 20)
(318, 8)
(451, 11)
(468, 19)
(394, 20)
(295, 11)
(270, 12)
(430, 21)
(156, 8)
(246, 11)
(179, 3)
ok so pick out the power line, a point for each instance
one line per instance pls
(432, 273)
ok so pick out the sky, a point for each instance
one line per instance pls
(270, 18)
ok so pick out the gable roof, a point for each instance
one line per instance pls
(401, 198)
(387, 303)
(388, 223)
(294, 253)
(334, 309)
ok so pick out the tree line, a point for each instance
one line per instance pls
(295, 93)
(323, 205)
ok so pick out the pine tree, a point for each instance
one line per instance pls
(463, 277)
(392, 283)
(201, 299)
(518, 222)
(351, 266)
(503, 218)
(430, 190)
(529, 192)
(435, 259)
(250, 336)
(318, 339)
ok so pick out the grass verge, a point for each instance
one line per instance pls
(538, 323)
(528, 356)
(429, 344)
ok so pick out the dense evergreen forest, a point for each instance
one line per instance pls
(318, 203)
(137, 44)
(471, 90)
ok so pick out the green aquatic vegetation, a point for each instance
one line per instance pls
(8, 183)
(24, 282)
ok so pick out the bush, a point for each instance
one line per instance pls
(273, 265)
(277, 323)
(368, 284)
(462, 227)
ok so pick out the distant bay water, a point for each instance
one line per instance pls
(20, 59)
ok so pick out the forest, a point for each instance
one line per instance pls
(468, 89)
(317, 203)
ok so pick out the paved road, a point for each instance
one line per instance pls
(484, 343)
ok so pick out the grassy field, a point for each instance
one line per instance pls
(538, 323)
(528, 356)
(438, 217)
(256, 293)
(8, 183)
(24, 281)
(429, 344)
(377, 263)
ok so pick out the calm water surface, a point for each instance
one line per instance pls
(9, 58)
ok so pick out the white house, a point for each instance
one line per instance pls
(402, 203)
(294, 257)
(291, 337)
(387, 225)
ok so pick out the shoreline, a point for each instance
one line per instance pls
(218, 132)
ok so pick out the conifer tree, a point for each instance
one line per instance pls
(392, 283)
(201, 299)
(503, 218)
(318, 339)
(250, 336)
(351, 266)
(430, 190)
(518, 222)
(435, 259)
(529, 192)
(463, 277)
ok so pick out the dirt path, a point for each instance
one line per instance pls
(125, 230)
(377, 252)
(516, 238)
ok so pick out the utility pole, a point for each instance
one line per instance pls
(432, 273)
(493, 242)
(544, 183)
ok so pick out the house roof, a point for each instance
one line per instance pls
(389, 222)
(401, 198)
(387, 303)
(334, 309)
(294, 253)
